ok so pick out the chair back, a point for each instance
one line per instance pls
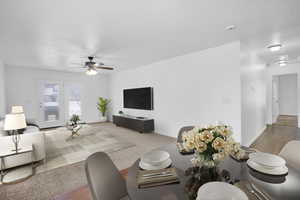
(181, 131)
(289, 153)
(104, 179)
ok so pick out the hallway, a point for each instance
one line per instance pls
(287, 120)
(277, 135)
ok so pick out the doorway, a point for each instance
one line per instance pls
(73, 100)
(58, 102)
(51, 106)
(285, 100)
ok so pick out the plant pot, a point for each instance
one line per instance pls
(103, 119)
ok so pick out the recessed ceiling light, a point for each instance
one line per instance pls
(282, 63)
(284, 57)
(230, 28)
(274, 47)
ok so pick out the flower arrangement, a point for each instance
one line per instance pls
(211, 144)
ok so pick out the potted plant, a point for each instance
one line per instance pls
(74, 120)
(102, 107)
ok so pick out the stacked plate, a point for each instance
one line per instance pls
(155, 160)
(267, 163)
(220, 191)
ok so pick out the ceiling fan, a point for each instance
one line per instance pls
(92, 67)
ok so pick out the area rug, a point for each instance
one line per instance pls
(62, 149)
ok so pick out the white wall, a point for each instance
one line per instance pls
(288, 94)
(2, 90)
(197, 88)
(22, 89)
(276, 71)
(253, 80)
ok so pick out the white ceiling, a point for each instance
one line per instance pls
(53, 34)
(257, 46)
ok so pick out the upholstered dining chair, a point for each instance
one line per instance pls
(104, 179)
(289, 153)
(182, 130)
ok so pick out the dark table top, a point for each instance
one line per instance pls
(278, 187)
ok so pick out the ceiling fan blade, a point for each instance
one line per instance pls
(77, 67)
(80, 64)
(104, 67)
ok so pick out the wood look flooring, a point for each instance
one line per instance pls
(287, 120)
(83, 193)
(277, 135)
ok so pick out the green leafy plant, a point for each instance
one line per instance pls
(74, 119)
(102, 105)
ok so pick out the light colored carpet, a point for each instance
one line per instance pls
(62, 149)
(48, 184)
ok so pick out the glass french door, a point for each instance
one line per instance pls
(51, 104)
(73, 100)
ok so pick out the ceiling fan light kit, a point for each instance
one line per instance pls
(92, 67)
(91, 72)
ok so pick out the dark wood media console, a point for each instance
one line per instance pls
(142, 125)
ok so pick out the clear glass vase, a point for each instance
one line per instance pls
(203, 171)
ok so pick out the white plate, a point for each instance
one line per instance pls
(155, 157)
(220, 191)
(267, 159)
(147, 166)
(271, 171)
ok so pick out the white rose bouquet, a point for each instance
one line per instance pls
(211, 144)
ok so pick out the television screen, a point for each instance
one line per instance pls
(139, 98)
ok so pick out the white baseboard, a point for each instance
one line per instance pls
(256, 136)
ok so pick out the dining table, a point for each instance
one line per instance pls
(285, 187)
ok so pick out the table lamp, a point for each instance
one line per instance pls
(14, 122)
(17, 109)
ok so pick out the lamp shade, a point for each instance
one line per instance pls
(17, 109)
(14, 122)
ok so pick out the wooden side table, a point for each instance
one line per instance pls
(9, 152)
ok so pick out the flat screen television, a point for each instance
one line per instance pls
(138, 98)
